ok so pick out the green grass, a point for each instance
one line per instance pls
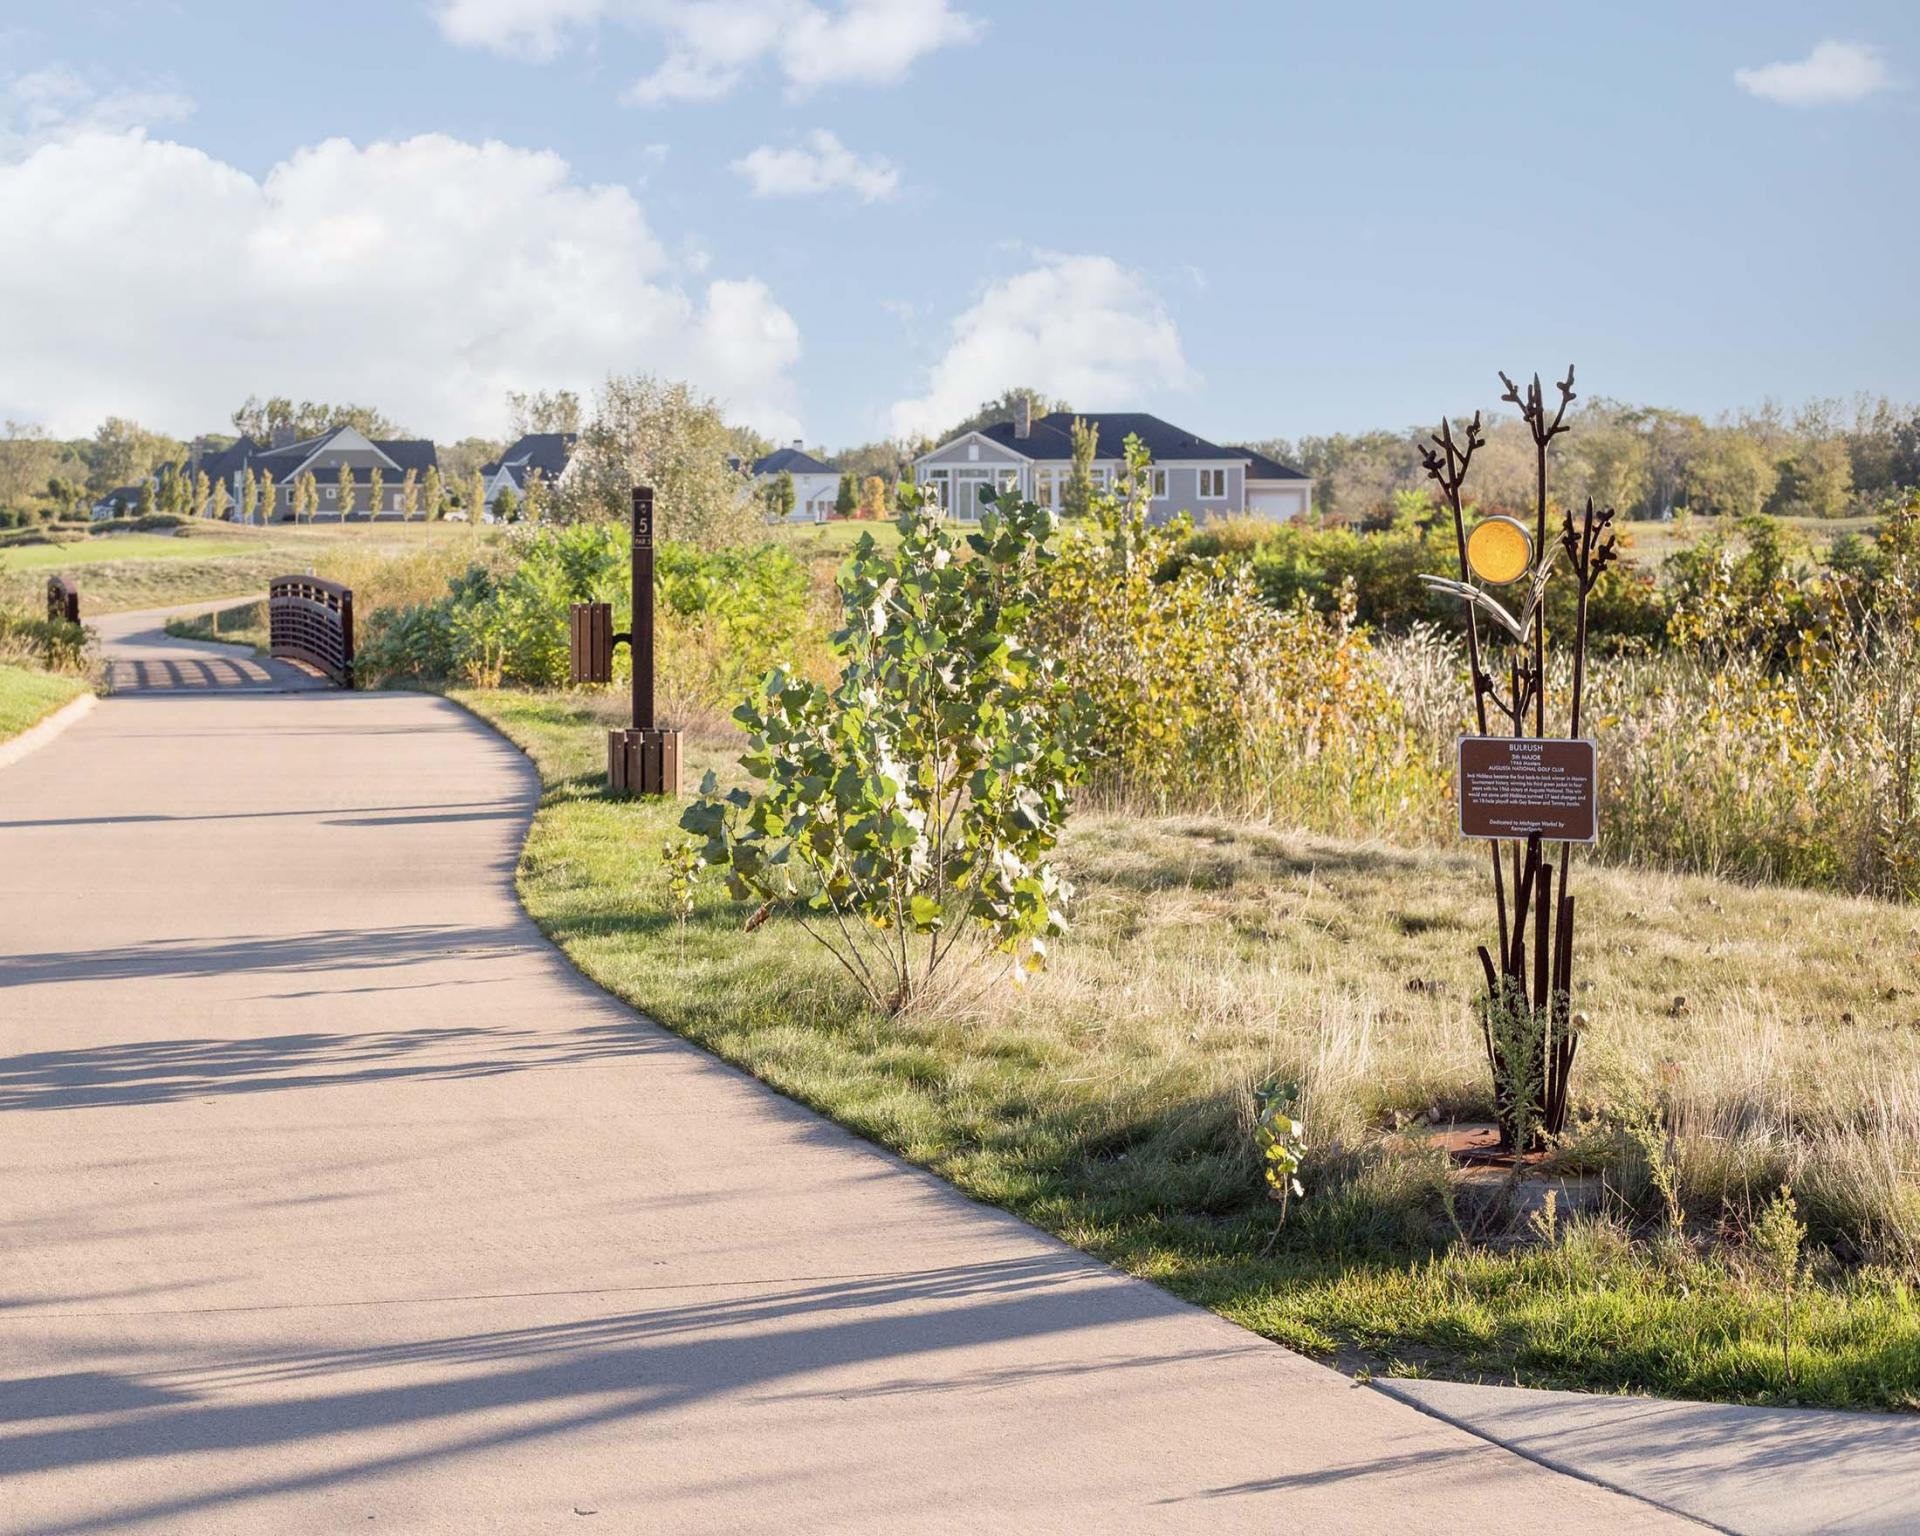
(28, 696)
(1107, 1103)
(242, 624)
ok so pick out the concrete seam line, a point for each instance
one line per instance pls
(1385, 1389)
(44, 730)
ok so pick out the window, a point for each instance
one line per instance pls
(1213, 485)
(1099, 479)
(1043, 487)
(936, 486)
(1159, 485)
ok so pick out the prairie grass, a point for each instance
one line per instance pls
(1769, 1033)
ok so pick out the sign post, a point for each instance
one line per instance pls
(642, 759)
(1522, 788)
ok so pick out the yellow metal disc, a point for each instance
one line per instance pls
(1499, 550)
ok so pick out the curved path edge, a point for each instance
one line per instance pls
(335, 1196)
(46, 728)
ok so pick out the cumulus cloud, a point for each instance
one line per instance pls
(820, 164)
(1833, 72)
(428, 276)
(711, 45)
(1081, 327)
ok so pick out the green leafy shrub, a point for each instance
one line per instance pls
(910, 810)
(504, 619)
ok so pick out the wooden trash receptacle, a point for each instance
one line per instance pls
(63, 600)
(592, 635)
(644, 762)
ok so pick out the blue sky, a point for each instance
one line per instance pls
(849, 217)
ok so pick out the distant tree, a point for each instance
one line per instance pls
(779, 496)
(260, 419)
(220, 503)
(543, 411)
(459, 460)
(343, 496)
(747, 445)
(873, 498)
(1730, 475)
(506, 506)
(409, 495)
(309, 494)
(649, 431)
(846, 499)
(28, 458)
(889, 460)
(122, 452)
(1077, 499)
(534, 498)
(377, 498)
(266, 496)
(201, 489)
(149, 499)
(476, 497)
(435, 494)
(1816, 480)
(249, 495)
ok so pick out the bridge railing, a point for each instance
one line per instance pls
(63, 600)
(311, 620)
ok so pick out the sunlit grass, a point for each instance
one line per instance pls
(1109, 1101)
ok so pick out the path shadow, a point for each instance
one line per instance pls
(335, 816)
(469, 1394)
(327, 949)
(161, 1071)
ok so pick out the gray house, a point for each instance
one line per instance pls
(1034, 457)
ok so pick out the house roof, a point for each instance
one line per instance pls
(1052, 437)
(548, 452)
(1260, 467)
(790, 461)
(415, 453)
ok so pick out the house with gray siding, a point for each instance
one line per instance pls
(1033, 457)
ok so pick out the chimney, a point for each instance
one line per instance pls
(282, 435)
(799, 445)
(1023, 417)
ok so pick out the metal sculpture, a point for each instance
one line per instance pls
(1527, 1021)
(643, 759)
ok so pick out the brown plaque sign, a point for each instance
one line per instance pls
(1532, 785)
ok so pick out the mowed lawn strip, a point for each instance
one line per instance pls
(28, 696)
(1108, 1101)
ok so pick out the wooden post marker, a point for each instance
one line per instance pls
(642, 759)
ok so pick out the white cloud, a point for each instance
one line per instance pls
(1081, 327)
(427, 276)
(48, 103)
(1833, 72)
(712, 44)
(820, 164)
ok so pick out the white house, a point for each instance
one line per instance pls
(550, 454)
(815, 485)
(1034, 458)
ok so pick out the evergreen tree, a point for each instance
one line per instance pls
(846, 500)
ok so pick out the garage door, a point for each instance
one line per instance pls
(1279, 504)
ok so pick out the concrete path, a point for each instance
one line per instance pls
(332, 1199)
(1758, 1471)
(141, 655)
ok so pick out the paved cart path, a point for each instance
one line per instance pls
(332, 1199)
